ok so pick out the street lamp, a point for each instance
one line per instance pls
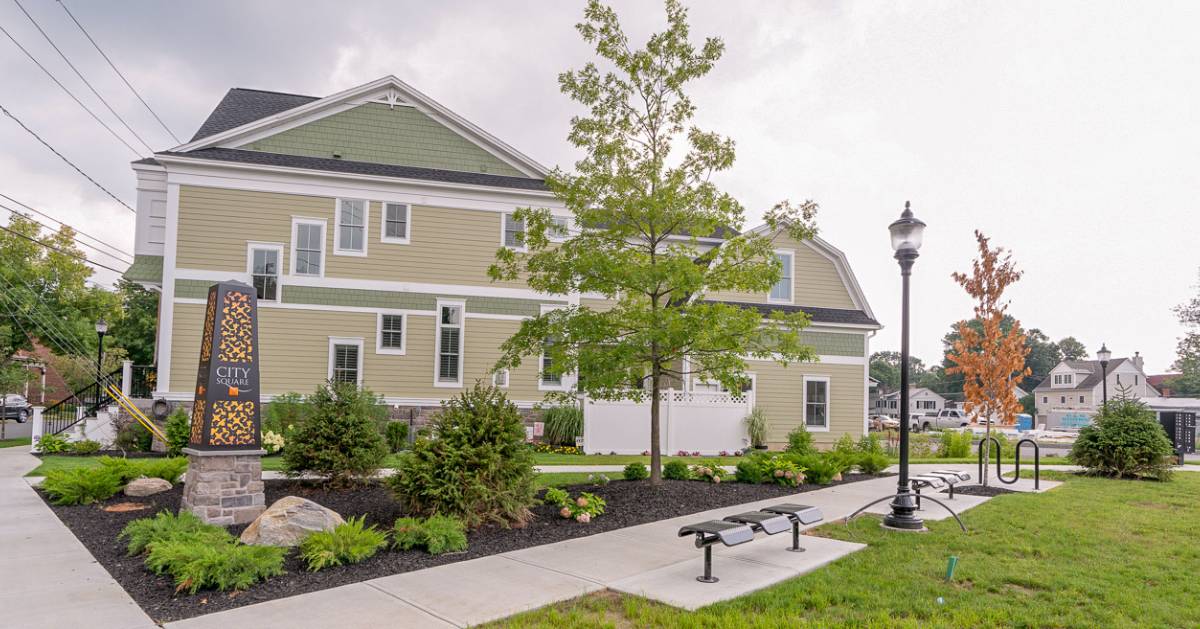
(1103, 355)
(906, 241)
(101, 330)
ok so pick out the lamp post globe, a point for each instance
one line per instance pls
(1103, 355)
(907, 233)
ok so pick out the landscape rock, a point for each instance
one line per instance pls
(139, 487)
(287, 521)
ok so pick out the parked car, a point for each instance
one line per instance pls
(883, 422)
(945, 418)
(16, 407)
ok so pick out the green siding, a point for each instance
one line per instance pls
(145, 269)
(380, 134)
(833, 343)
(359, 298)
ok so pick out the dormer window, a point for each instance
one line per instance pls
(1064, 379)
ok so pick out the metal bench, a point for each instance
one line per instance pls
(711, 532)
(937, 480)
(797, 514)
(761, 521)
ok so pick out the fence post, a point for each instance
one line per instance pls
(665, 423)
(38, 428)
(126, 377)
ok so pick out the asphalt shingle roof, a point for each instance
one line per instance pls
(1089, 381)
(819, 315)
(241, 106)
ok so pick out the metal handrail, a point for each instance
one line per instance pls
(1037, 460)
(80, 404)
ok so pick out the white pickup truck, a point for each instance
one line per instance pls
(945, 418)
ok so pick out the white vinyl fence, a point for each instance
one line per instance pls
(696, 421)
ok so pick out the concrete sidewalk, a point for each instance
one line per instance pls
(647, 560)
(47, 578)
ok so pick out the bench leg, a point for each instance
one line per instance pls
(952, 491)
(917, 491)
(707, 577)
(795, 547)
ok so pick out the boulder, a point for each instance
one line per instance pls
(287, 521)
(146, 486)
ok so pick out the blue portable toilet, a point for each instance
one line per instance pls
(1024, 422)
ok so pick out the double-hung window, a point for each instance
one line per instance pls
(345, 360)
(449, 345)
(500, 378)
(264, 262)
(351, 227)
(308, 246)
(816, 402)
(395, 223)
(781, 292)
(559, 229)
(390, 333)
(549, 379)
(514, 232)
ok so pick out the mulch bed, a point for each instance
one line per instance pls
(629, 503)
(980, 490)
(128, 454)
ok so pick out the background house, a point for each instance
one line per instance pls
(921, 401)
(1073, 391)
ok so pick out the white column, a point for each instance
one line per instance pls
(39, 427)
(126, 377)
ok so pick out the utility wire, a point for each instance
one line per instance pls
(81, 77)
(70, 93)
(78, 231)
(62, 251)
(114, 67)
(76, 240)
(69, 342)
(60, 156)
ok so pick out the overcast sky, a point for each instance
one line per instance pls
(1065, 131)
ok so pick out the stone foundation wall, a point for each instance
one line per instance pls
(224, 489)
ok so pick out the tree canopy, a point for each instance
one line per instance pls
(643, 204)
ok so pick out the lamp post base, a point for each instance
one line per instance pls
(903, 516)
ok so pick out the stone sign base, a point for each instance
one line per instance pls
(224, 488)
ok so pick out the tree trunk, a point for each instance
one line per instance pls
(987, 451)
(655, 451)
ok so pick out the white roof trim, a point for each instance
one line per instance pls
(835, 255)
(388, 87)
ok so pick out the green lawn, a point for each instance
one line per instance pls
(14, 442)
(1092, 553)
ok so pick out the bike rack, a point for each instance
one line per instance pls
(1037, 460)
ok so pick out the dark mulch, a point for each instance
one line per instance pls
(980, 490)
(629, 503)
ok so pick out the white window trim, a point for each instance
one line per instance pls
(277, 247)
(828, 403)
(566, 380)
(337, 227)
(791, 272)
(507, 378)
(568, 232)
(303, 220)
(462, 342)
(383, 237)
(503, 241)
(379, 348)
(345, 340)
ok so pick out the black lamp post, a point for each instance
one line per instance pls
(101, 330)
(906, 240)
(1103, 355)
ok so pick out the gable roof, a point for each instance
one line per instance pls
(247, 115)
(1093, 377)
(242, 106)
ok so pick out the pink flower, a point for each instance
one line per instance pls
(581, 501)
(697, 453)
(583, 518)
(778, 473)
(789, 474)
(565, 512)
(645, 453)
(716, 479)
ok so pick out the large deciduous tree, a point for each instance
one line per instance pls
(1187, 352)
(992, 361)
(643, 202)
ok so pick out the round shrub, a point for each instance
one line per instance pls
(476, 468)
(872, 463)
(397, 436)
(750, 469)
(339, 437)
(676, 470)
(636, 471)
(87, 446)
(1124, 441)
(800, 441)
(178, 432)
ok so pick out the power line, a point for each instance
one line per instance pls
(75, 240)
(58, 334)
(60, 156)
(78, 231)
(114, 67)
(69, 93)
(62, 251)
(81, 77)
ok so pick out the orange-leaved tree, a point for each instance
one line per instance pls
(991, 360)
